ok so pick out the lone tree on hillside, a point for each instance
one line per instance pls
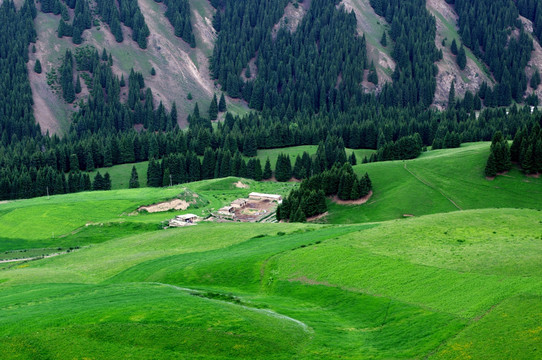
(37, 67)
(134, 179)
(462, 58)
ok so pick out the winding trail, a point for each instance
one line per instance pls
(267, 312)
(431, 186)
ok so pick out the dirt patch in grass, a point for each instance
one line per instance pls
(240, 185)
(176, 204)
(306, 280)
(361, 201)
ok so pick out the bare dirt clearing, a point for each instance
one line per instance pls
(240, 185)
(176, 204)
(361, 201)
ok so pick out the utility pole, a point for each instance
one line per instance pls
(170, 180)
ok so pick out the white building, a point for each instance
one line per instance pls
(270, 197)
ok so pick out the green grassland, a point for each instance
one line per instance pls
(433, 286)
(444, 284)
(439, 181)
(79, 219)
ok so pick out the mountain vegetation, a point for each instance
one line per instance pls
(425, 239)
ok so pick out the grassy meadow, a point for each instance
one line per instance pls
(460, 279)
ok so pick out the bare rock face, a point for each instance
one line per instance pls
(292, 18)
(372, 26)
(469, 79)
(536, 58)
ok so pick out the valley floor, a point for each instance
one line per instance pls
(443, 283)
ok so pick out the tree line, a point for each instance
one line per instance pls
(526, 152)
(178, 14)
(310, 199)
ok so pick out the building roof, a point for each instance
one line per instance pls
(269, 196)
(186, 217)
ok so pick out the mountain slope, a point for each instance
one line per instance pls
(474, 74)
(180, 70)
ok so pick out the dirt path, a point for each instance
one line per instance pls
(432, 187)
(30, 259)
(360, 201)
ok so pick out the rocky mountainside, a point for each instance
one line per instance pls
(182, 74)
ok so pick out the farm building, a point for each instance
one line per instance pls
(183, 220)
(270, 197)
(239, 203)
(226, 210)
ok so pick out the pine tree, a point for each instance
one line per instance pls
(98, 183)
(134, 179)
(384, 39)
(37, 67)
(267, 172)
(107, 182)
(451, 96)
(535, 79)
(491, 166)
(74, 163)
(78, 85)
(153, 72)
(213, 109)
(461, 58)
(299, 216)
(453, 47)
(222, 103)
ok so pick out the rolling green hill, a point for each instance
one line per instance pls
(433, 286)
(445, 284)
(439, 181)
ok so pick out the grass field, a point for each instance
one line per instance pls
(444, 284)
(439, 181)
(434, 286)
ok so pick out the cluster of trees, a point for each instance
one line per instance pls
(461, 55)
(408, 147)
(27, 183)
(316, 68)
(178, 14)
(105, 112)
(16, 33)
(66, 78)
(526, 150)
(82, 20)
(532, 10)
(181, 168)
(451, 140)
(310, 199)
(499, 159)
(413, 29)
(131, 16)
(484, 27)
